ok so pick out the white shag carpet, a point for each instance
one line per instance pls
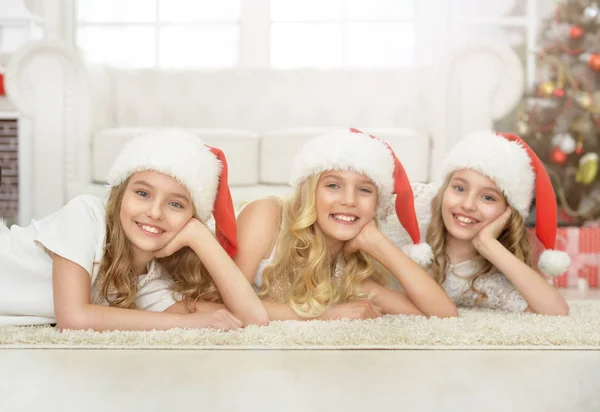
(473, 329)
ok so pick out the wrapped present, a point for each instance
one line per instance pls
(582, 244)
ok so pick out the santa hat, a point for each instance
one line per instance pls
(518, 172)
(351, 149)
(201, 168)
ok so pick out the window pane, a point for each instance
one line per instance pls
(380, 44)
(306, 10)
(379, 9)
(199, 10)
(306, 45)
(484, 9)
(209, 46)
(513, 36)
(118, 46)
(98, 11)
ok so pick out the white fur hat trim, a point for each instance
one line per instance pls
(345, 150)
(505, 162)
(177, 153)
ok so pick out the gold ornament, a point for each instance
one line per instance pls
(522, 127)
(547, 88)
(588, 168)
(584, 100)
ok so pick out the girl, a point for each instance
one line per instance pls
(119, 264)
(320, 254)
(476, 226)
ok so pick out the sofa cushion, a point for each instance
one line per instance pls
(240, 147)
(278, 149)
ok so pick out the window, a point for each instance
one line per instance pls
(159, 33)
(342, 33)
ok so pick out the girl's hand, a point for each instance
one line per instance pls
(494, 229)
(360, 309)
(181, 239)
(218, 319)
(362, 241)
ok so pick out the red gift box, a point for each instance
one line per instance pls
(582, 244)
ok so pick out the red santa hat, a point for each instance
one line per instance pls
(519, 173)
(351, 149)
(201, 168)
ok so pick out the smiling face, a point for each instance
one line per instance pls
(470, 202)
(345, 202)
(154, 209)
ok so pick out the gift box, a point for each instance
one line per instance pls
(582, 244)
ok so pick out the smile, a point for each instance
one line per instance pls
(344, 218)
(465, 220)
(153, 230)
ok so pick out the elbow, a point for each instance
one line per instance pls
(74, 320)
(257, 319)
(449, 312)
(559, 310)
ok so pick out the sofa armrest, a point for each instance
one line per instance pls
(65, 101)
(470, 89)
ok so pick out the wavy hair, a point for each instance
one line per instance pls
(514, 238)
(303, 262)
(117, 275)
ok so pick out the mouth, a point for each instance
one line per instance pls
(463, 220)
(344, 218)
(150, 229)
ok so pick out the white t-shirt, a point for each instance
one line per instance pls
(76, 232)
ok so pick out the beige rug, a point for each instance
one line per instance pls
(473, 329)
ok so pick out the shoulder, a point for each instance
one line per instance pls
(94, 206)
(266, 210)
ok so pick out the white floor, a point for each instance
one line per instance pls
(482, 381)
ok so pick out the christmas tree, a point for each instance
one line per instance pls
(560, 118)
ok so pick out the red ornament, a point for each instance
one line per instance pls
(594, 62)
(575, 32)
(558, 156)
(559, 92)
(2, 91)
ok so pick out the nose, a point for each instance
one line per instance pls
(349, 196)
(156, 211)
(468, 203)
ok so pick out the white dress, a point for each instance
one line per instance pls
(76, 232)
(497, 291)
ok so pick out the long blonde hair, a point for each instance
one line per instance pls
(117, 274)
(303, 259)
(514, 238)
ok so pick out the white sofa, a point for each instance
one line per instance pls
(76, 117)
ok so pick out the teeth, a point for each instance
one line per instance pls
(151, 229)
(464, 219)
(345, 218)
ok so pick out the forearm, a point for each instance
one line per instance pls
(537, 291)
(101, 318)
(427, 295)
(237, 293)
(280, 311)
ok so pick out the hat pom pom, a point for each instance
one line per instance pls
(420, 253)
(553, 262)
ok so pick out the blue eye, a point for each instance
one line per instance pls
(489, 198)
(366, 190)
(459, 188)
(142, 193)
(177, 205)
(333, 186)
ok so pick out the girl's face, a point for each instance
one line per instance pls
(345, 202)
(470, 202)
(155, 208)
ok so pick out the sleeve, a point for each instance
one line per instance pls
(391, 227)
(75, 232)
(500, 293)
